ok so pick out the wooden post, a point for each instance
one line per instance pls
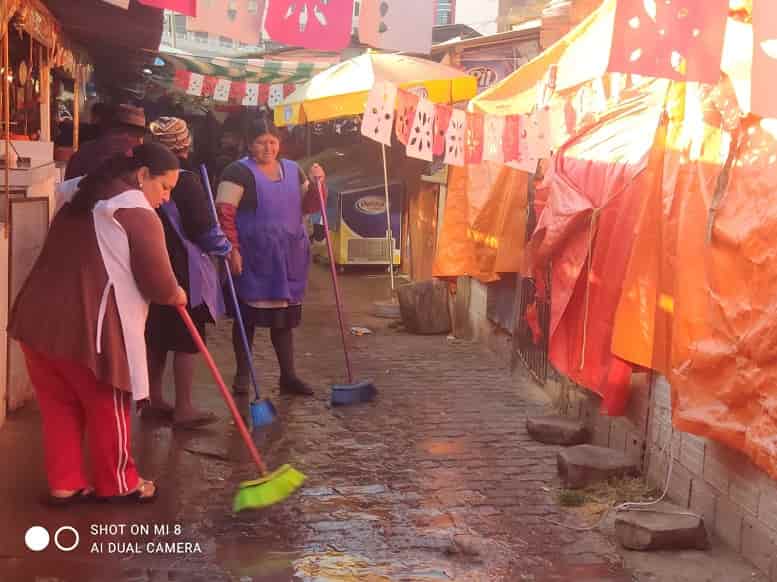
(45, 96)
(76, 107)
(7, 113)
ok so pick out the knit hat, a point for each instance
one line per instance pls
(172, 132)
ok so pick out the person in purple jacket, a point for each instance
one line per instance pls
(261, 202)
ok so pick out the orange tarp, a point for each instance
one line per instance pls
(484, 230)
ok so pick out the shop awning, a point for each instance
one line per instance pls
(268, 70)
(121, 42)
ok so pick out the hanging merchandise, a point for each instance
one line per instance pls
(314, 24)
(406, 105)
(388, 25)
(763, 102)
(510, 137)
(288, 89)
(274, 96)
(494, 128)
(526, 160)
(454, 138)
(473, 142)
(421, 141)
(442, 119)
(378, 120)
(222, 90)
(187, 7)
(681, 40)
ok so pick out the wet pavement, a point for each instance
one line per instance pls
(437, 480)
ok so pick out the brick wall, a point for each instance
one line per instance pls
(737, 500)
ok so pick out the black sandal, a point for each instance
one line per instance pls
(85, 495)
(134, 497)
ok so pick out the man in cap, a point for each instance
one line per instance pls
(126, 132)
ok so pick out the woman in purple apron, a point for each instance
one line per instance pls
(191, 236)
(261, 202)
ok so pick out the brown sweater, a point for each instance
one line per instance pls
(56, 310)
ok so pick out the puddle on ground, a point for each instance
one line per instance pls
(341, 567)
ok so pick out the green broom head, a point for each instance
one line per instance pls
(268, 490)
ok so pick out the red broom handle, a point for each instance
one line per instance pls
(223, 387)
(335, 284)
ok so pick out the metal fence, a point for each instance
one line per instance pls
(532, 354)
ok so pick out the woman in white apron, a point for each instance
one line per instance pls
(80, 318)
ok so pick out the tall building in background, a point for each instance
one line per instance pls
(492, 16)
(444, 12)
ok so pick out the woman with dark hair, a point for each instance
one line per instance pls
(85, 351)
(191, 236)
(261, 202)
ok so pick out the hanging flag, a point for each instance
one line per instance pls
(493, 134)
(473, 142)
(313, 24)
(763, 101)
(251, 98)
(525, 161)
(275, 96)
(510, 138)
(402, 25)
(196, 82)
(182, 77)
(288, 89)
(454, 138)
(222, 90)
(539, 134)
(237, 92)
(442, 118)
(124, 4)
(378, 120)
(680, 40)
(187, 7)
(264, 93)
(406, 104)
(420, 144)
(209, 86)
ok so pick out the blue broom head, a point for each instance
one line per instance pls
(346, 394)
(263, 413)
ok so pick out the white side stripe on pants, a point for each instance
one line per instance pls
(121, 432)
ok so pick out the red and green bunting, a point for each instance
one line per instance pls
(223, 90)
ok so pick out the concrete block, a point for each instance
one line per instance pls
(704, 501)
(662, 529)
(601, 433)
(743, 490)
(556, 430)
(716, 469)
(692, 453)
(759, 544)
(618, 434)
(585, 464)
(680, 485)
(728, 523)
(635, 447)
(767, 505)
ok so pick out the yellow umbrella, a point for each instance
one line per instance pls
(342, 89)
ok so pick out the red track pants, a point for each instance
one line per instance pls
(73, 403)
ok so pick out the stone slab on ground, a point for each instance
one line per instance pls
(583, 465)
(663, 527)
(557, 430)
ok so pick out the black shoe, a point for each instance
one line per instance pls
(295, 386)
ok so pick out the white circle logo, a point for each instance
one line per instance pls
(37, 538)
(76, 539)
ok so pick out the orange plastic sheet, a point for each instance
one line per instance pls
(484, 229)
(700, 295)
(585, 234)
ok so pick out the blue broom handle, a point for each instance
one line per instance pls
(232, 291)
